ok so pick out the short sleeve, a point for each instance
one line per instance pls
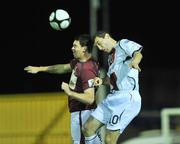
(73, 63)
(130, 46)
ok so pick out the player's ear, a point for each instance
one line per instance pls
(84, 48)
(107, 35)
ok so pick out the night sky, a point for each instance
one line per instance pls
(28, 39)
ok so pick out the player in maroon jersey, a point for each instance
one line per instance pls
(80, 89)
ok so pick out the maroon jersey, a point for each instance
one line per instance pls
(81, 79)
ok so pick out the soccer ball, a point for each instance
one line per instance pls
(59, 19)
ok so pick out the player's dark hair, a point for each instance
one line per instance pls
(99, 34)
(85, 40)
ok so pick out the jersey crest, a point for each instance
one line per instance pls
(73, 80)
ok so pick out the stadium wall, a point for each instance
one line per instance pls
(37, 118)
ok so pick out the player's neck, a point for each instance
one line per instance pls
(113, 45)
(86, 57)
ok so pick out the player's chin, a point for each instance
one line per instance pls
(75, 56)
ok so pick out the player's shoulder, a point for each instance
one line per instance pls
(125, 41)
(73, 62)
(93, 60)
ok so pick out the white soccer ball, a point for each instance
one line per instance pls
(59, 19)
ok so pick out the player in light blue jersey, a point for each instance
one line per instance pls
(123, 103)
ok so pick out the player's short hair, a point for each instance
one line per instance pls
(99, 34)
(85, 40)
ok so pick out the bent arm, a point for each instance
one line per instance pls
(87, 97)
(137, 57)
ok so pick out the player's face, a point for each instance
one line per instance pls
(78, 50)
(104, 44)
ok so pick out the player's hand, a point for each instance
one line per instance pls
(134, 65)
(97, 81)
(65, 87)
(32, 69)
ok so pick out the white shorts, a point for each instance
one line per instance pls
(118, 109)
(77, 120)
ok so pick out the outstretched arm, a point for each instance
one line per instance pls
(56, 69)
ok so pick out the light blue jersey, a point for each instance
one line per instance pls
(122, 76)
(123, 103)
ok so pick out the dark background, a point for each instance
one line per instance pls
(28, 39)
